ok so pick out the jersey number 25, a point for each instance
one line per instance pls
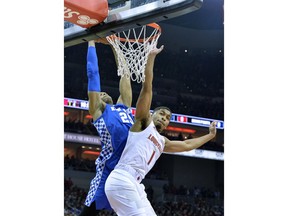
(125, 118)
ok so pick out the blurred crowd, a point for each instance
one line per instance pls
(79, 164)
(200, 205)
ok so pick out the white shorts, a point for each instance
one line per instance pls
(127, 196)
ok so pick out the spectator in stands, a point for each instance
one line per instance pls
(112, 123)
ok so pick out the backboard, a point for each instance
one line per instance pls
(124, 15)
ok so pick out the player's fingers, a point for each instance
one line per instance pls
(159, 49)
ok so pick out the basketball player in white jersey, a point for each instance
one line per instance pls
(144, 146)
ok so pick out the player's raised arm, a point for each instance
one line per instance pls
(145, 98)
(95, 103)
(124, 86)
(190, 144)
(125, 89)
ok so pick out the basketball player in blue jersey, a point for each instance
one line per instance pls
(144, 146)
(112, 123)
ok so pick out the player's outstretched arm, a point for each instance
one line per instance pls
(143, 104)
(95, 103)
(190, 144)
(124, 85)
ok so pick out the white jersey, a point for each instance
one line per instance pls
(142, 150)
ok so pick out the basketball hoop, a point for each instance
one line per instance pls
(132, 48)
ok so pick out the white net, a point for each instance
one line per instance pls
(132, 48)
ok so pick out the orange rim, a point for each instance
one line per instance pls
(153, 25)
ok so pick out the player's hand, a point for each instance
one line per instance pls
(156, 50)
(212, 128)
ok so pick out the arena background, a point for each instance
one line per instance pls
(188, 78)
(255, 106)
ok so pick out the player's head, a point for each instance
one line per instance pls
(106, 98)
(161, 117)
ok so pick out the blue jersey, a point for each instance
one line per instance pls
(113, 127)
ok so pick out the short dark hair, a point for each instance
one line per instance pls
(161, 107)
